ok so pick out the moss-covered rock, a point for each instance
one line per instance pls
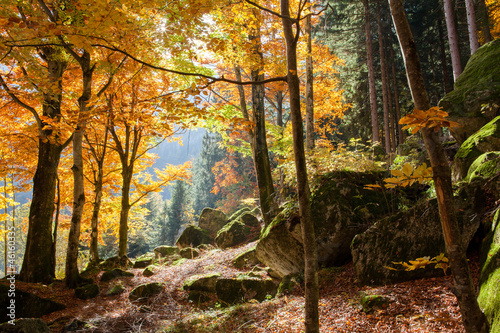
(373, 302)
(25, 325)
(143, 262)
(115, 290)
(193, 236)
(246, 259)
(87, 292)
(149, 271)
(115, 273)
(485, 166)
(165, 251)
(238, 213)
(203, 282)
(212, 220)
(145, 291)
(189, 253)
(115, 262)
(234, 233)
(489, 279)
(249, 220)
(476, 97)
(231, 291)
(286, 284)
(27, 305)
(408, 235)
(485, 140)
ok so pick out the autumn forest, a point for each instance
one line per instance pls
(299, 103)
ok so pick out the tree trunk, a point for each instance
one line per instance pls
(444, 62)
(452, 39)
(371, 75)
(473, 319)
(94, 222)
(308, 236)
(392, 124)
(471, 24)
(485, 21)
(38, 265)
(383, 71)
(124, 212)
(309, 89)
(401, 136)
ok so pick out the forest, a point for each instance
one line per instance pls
(347, 180)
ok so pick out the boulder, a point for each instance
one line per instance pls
(115, 262)
(411, 234)
(485, 166)
(238, 213)
(149, 271)
(165, 251)
(212, 220)
(115, 290)
(485, 140)
(87, 292)
(231, 291)
(25, 325)
(145, 291)
(26, 305)
(189, 253)
(246, 259)
(204, 282)
(244, 228)
(115, 273)
(476, 97)
(143, 262)
(76, 325)
(341, 207)
(193, 236)
(489, 278)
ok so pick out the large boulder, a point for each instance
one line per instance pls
(212, 220)
(203, 282)
(115, 273)
(489, 279)
(145, 291)
(246, 259)
(165, 251)
(485, 166)
(341, 207)
(193, 236)
(476, 97)
(244, 228)
(231, 291)
(25, 325)
(87, 292)
(485, 140)
(25, 304)
(411, 234)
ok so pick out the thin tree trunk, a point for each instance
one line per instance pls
(383, 70)
(371, 75)
(392, 124)
(6, 209)
(452, 39)
(309, 89)
(308, 235)
(473, 319)
(471, 24)
(124, 212)
(94, 222)
(56, 226)
(485, 21)
(444, 61)
(401, 136)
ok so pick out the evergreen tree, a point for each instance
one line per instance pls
(177, 212)
(203, 177)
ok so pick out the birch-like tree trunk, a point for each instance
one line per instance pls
(471, 24)
(452, 39)
(473, 319)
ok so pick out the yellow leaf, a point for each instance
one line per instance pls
(407, 170)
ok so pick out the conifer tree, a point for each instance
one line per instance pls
(176, 212)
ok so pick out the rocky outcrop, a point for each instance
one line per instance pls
(87, 292)
(193, 236)
(341, 208)
(246, 259)
(189, 253)
(487, 139)
(476, 97)
(411, 234)
(212, 220)
(244, 228)
(232, 291)
(485, 166)
(165, 251)
(145, 291)
(115, 273)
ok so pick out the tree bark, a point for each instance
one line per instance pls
(444, 61)
(371, 75)
(38, 265)
(401, 136)
(473, 319)
(309, 89)
(471, 24)
(307, 227)
(383, 71)
(452, 39)
(485, 21)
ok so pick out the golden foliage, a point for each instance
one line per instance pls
(434, 118)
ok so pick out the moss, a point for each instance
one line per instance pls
(373, 302)
(115, 273)
(485, 166)
(202, 282)
(87, 292)
(145, 291)
(178, 262)
(115, 290)
(245, 257)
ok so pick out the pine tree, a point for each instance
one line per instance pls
(177, 213)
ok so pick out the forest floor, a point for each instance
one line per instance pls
(426, 305)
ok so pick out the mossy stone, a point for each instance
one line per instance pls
(193, 236)
(145, 291)
(87, 292)
(212, 220)
(246, 259)
(231, 291)
(373, 302)
(189, 253)
(149, 271)
(115, 290)
(232, 234)
(203, 282)
(485, 166)
(165, 251)
(143, 262)
(287, 283)
(25, 325)
(115, 273)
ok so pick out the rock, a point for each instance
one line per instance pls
(244, 228)
(145, 291)
(149, 271)
(485, 166)
(193, 236)
(485, 140)
(238, 213)
(115, 273)
(408, 235)
(115, 290)
(341, 208)
(249, 220)
(75, 325)
(115, 262)
(165, 251)
(203, 282)
(212, 220)
(87, 292)
(246, 259)
(231, 291)
(26, 305)
(476, 97)
(287, 283)
(25, 325)
(489, 278)
(189, 253)
(143, 262)
(373, 302)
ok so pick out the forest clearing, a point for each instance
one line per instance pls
(345, 174)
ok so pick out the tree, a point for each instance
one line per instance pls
(473, 319)
(452, 39)
(177, 212)
(471, 23)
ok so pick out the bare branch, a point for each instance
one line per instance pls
(270, 11)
